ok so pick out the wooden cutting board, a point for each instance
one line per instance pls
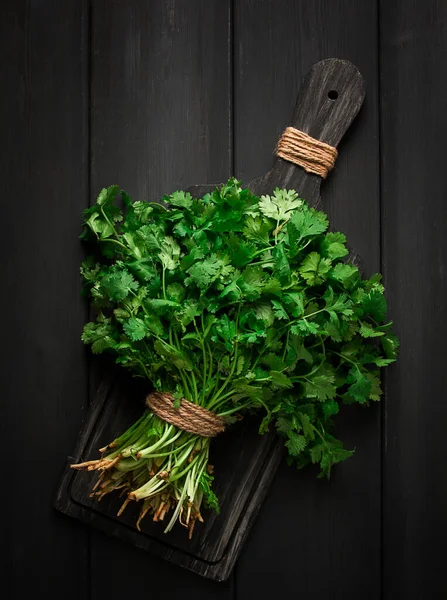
(245, 463)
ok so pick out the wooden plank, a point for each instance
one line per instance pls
(161, 120)
(43, 109)
(414, 190)
(320, 538)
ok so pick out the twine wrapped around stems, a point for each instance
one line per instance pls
(188, 416)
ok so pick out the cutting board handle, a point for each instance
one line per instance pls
(329, 99)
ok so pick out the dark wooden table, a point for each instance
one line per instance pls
(157, 96)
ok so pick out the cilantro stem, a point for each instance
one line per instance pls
(305, 245)
(276, 232)
(204, 355)
(265, 261)
(163, 276)
(258, 252)
(225, 396)
(143, 366)
(194, 386)
(227, 380)
(186, 390)
(185, 470)
(112, 241)
(168, 453)
(210, 377)
(236, 409)
(314, 313)
(315, 369)
(260, 355)
(112, 227)
(286, 345)
(303, 318)
(346, 359)
(168, 431)
(233, 367)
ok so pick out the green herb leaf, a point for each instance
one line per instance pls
(135, 328)
(279, 206)
(314, 269)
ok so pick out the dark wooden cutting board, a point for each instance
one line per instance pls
(245, 462)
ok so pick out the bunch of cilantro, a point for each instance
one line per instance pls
(237, 303)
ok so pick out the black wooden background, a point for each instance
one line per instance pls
(158, 95)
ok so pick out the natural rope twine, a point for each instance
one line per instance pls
(189, 416)
(307, 152)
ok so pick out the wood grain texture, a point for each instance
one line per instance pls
(161, 121)
(43, 112)
(161, 104)
(414, 192)
(318, 539)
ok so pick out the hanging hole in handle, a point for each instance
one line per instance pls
(332, 94)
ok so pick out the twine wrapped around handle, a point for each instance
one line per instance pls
(189, 416)
(307, 152)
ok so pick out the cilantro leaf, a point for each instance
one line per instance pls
(181, 199)
(135, 328)
(368, 331)
(264, 313)
(280, 379)
(333, 246)
(279, 206)
(345, 274)
(204, 272)
(278, 310)
(99, 335)
(320, 386)
(304, 327)
(118, 284)
(281, 264)
(390, 345)
(314, 269)
(169, 253)
(257, 230)
(296, 300)
(107, 195)
(305, 223)
(360, 386)
(296, 443)
(374, 304)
